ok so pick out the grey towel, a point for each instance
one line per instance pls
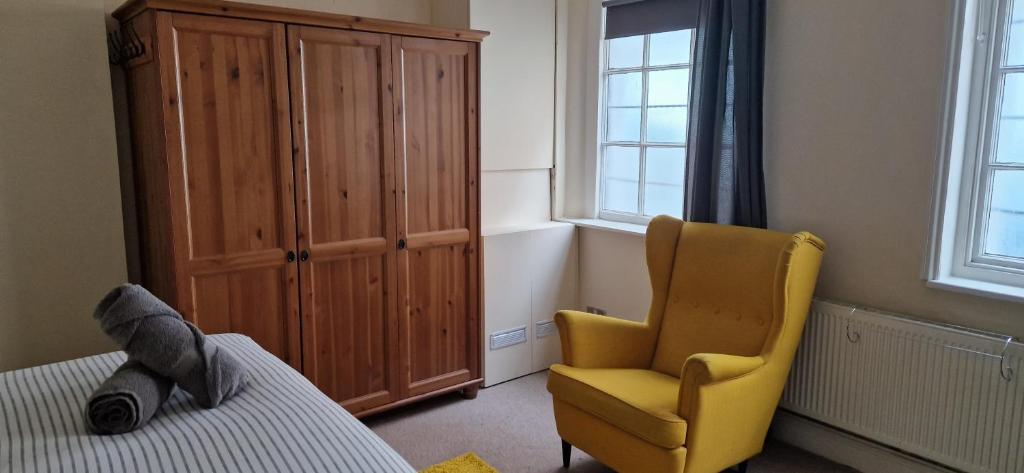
(127, 399)
(156, 335)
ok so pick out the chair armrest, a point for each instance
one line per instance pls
(727, 402)
(709, 368)
(594, 341)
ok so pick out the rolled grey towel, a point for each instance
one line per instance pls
(155, 334)
(127, 399)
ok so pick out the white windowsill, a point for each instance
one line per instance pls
(524, 227)
(978, 288)
(608, 225)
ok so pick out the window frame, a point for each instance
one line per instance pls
(973, 94)
(642, 144)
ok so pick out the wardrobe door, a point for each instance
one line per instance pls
(437, 169)
(341, 102)
(230, 172)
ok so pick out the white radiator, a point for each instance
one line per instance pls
(944, 393)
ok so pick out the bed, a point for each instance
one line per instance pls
(280, 422)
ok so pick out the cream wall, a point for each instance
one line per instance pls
(514, 198)
(852, 109)
(852, 93)
(416, 11)
(517, 64)
(576, 183)
(450, 13)
(613, 273)
(517, 77)
(61, 243)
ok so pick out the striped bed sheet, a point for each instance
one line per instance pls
(280, 422)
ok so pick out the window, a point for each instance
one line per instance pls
(978, 243)
(646, 83)
(1001, 207)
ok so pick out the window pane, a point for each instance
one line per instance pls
(623, 124)
(626, 52)
(625, 89)
(671, 47)
(663, 181)
(666, 124)
(1011, 140)
(1010, 129)
(1015, 46)
(621, 180)
(671, 87)
(1006, 215)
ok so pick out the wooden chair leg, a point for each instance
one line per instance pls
(742, 467)
(566, 453)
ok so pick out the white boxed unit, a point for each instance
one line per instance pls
(530, 273)
(506, 307)
(553, 259)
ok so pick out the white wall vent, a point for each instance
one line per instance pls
(507, 338)
(545, 328)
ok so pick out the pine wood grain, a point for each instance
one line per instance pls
(152, 187)
(230, 173)
(316, 189)
(344, 144)
(436, 125)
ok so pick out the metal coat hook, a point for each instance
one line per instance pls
(852, 335)
(124, 44)
(1005, 370)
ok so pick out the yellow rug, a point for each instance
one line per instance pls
(467, 463)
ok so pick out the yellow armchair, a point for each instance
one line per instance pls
(693, 388)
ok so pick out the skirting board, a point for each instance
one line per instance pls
(845, 448)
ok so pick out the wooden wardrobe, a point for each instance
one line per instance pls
(311, 180)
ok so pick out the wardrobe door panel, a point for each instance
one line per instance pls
(230, 169)
(225, 301)
(345, 157)
(438, 314)
(438, 216)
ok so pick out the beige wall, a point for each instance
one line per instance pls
(61, 244)
(450, 13)
(416, 11)
(852, 93)
(613, 273)
(576, 183)
(852, 111)
(517, 77)
(517, 70)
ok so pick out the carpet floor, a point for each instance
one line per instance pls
(511, 427)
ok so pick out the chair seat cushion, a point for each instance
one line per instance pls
(641, 402)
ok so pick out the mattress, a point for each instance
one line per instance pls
(280, 422)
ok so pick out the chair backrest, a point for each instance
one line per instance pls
(725, 291)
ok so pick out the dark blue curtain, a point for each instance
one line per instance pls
(725, 174)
